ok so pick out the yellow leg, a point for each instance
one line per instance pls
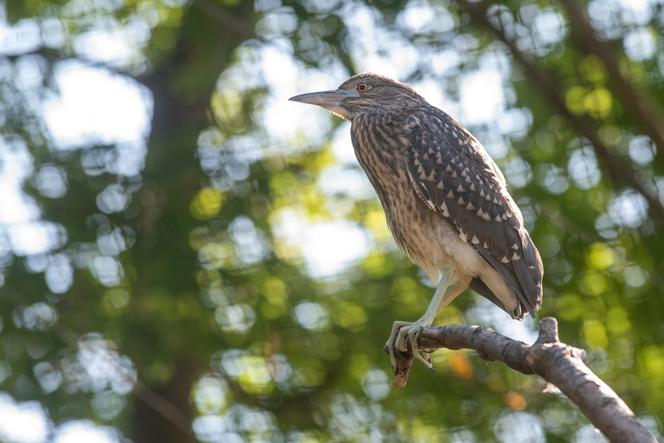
(407, 332)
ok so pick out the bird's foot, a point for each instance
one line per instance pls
(404, 334)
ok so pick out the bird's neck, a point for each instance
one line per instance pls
(380, 145)
(379, 131)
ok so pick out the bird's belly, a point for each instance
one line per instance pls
(431, 242)
(425, 236)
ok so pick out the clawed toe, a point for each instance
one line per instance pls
(425, 358)
(421, 354)
(404, 334)
(392, 341)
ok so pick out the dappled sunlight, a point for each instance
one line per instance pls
(83, 431)
(74, 117)
(210, 395)
(376, 384)
(35, 237)
(484, 87)
(51, 181)
(519, 427)
(250, 371)
(25, 422)
(311, 315)
(319, 243)
(184, 249)
(17, 207)
(236, 423)
(114, 44)
(207, 203)
(628, 209)
(97, 367)
(107, 270)
(235, 318)
(482, 312)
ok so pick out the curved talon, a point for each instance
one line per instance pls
(425, 359)
(403, 334)
(397, 327)
(413, 336)
(421, 354)
(414, 333)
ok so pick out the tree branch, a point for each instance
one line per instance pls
(558, 363)
(645, 110)
(549, 88)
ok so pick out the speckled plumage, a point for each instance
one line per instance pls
(445, 199)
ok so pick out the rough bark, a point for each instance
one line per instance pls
(558, 363)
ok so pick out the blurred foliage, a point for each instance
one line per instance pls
(229, 270)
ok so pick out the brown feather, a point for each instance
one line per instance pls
(484, 210)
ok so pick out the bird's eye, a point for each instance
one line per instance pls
(362, 87)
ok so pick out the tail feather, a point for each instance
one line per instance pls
(523, 276)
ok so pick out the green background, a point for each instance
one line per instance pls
(177, 294)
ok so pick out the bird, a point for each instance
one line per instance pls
(445, 200)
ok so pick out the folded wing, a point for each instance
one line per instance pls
(457, 179)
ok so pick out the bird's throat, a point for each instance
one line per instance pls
(340, 112)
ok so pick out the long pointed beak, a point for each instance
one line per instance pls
(326, 99)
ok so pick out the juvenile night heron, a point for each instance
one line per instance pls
(445, 200)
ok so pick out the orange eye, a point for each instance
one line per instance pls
(362, 87)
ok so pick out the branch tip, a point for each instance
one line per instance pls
(548, 331)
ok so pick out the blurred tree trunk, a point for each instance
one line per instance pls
(162, 415)
(181, 86)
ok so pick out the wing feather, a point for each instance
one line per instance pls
(455, 177)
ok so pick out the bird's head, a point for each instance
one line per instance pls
(364, 93)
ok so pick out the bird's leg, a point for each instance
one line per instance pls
(406, 332)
